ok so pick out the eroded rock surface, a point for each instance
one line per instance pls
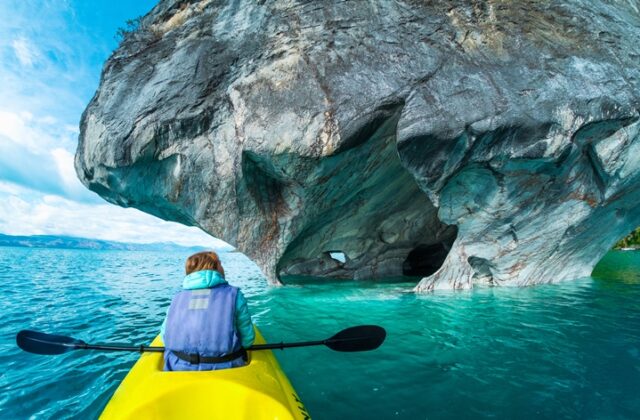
(465, 141)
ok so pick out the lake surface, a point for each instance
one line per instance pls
(568, 350)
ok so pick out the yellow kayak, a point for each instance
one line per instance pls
(259, 390)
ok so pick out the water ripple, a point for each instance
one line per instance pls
(563, 350)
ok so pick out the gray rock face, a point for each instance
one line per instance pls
(468, 142)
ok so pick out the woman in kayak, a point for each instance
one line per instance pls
(208, 325)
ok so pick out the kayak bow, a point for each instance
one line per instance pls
(259, 390)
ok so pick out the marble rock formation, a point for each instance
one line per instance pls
(466, 142)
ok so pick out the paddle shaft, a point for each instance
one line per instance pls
(143, 349)
(281, 345)
(359, 338)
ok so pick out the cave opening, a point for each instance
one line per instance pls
(425, 259)
(338, 256)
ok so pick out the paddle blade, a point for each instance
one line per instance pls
(41, 343)
(361, 338)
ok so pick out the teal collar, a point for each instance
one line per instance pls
(203, 279)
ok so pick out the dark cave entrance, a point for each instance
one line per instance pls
(424, 260)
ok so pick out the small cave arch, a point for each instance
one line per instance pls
(425, 259)
(337, 256)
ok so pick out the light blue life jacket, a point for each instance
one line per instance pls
(201, 323)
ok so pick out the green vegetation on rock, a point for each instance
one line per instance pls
(630, 241)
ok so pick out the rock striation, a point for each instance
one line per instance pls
(466, 142)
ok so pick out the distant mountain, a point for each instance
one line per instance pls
(69, 242)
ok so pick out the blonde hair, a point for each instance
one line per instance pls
(206, 260)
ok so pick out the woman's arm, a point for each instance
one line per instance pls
(243, 322)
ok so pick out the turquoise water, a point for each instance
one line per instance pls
(569, 350)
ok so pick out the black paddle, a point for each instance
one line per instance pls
(361, 338)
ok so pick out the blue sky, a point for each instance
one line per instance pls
(51, 54)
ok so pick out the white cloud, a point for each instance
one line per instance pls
(25, 51)
(73, 129)
(48, 120)
(38, 134)
(54, 215)
(45, 67)
(9, 189)
(64, 163)
(36, 153)
(12, 126)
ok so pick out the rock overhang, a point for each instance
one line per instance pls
(377, 131)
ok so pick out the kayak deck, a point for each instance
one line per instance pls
(259, 390)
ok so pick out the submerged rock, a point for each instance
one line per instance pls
(466, 142)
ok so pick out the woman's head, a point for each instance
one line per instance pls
(206, 260)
